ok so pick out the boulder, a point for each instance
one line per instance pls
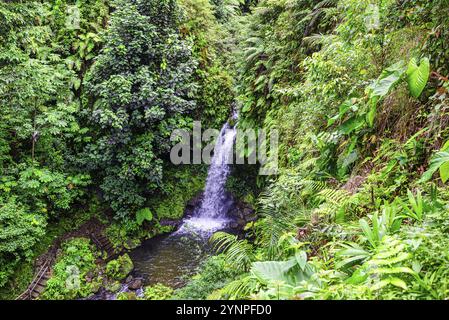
(135, 284)
(196, 201)
(234, 225)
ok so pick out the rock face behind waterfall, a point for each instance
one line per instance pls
(240, 214)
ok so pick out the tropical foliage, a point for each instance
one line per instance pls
(358, 92)
(90, 92)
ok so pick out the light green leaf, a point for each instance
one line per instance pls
(301, 258)
(417, 76)
(143, 214)
(444, 171)
(438, 160)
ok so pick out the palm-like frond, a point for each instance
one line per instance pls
(238, 253)
(238, 289)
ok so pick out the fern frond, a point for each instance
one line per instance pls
(238, 253)
(338, 197)
(238, 289)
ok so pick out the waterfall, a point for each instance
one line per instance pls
(212, 205)
(211, 215)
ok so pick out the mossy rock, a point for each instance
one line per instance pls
(119, 268)
(113, 286)
(132, 244)
(127, 296)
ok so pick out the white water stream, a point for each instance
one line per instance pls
(211, 215)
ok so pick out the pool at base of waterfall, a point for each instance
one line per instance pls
(170, 259)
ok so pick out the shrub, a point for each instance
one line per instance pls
(158, 292)
(19, 232)
(213, 275)
(75, 272)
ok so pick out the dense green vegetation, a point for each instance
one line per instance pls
(359, 93)
(91, 90)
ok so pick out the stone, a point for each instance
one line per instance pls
(241, 222)
(114, 286)
(234, 225)
(251, 218)
(135, 284)
(248, 211)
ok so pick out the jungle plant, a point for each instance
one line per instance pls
(238, 253)
(157, 292)
(74, 274)
(440, 162)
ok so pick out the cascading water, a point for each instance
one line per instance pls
(211, 215)
(171, 259)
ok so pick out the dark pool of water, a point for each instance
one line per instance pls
(170, 259)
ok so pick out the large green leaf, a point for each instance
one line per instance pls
(417, 76)
(351, 124)
(386, 81)
(143, 214)
(268, 271)
(343, 109)
(381, 87)
(440, 161)
(292, 272)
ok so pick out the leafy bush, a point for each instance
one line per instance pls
(75, 272)
(213, 275)
(142, 87)
(119, 268)
(19, 232)
(158, 292)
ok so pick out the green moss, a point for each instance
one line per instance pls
(119, 268)
(127, 296)
(113, 286)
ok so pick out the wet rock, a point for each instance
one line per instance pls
(114, 286)
(119, 268)
(135, 284)
(247, 211)
(195, 201)
(234, 225)
(89, 277)
(170, 222)
(251, 218)
(193, 204)
(241, 213)
(127, 296)
(132, 244)
(241, 223)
